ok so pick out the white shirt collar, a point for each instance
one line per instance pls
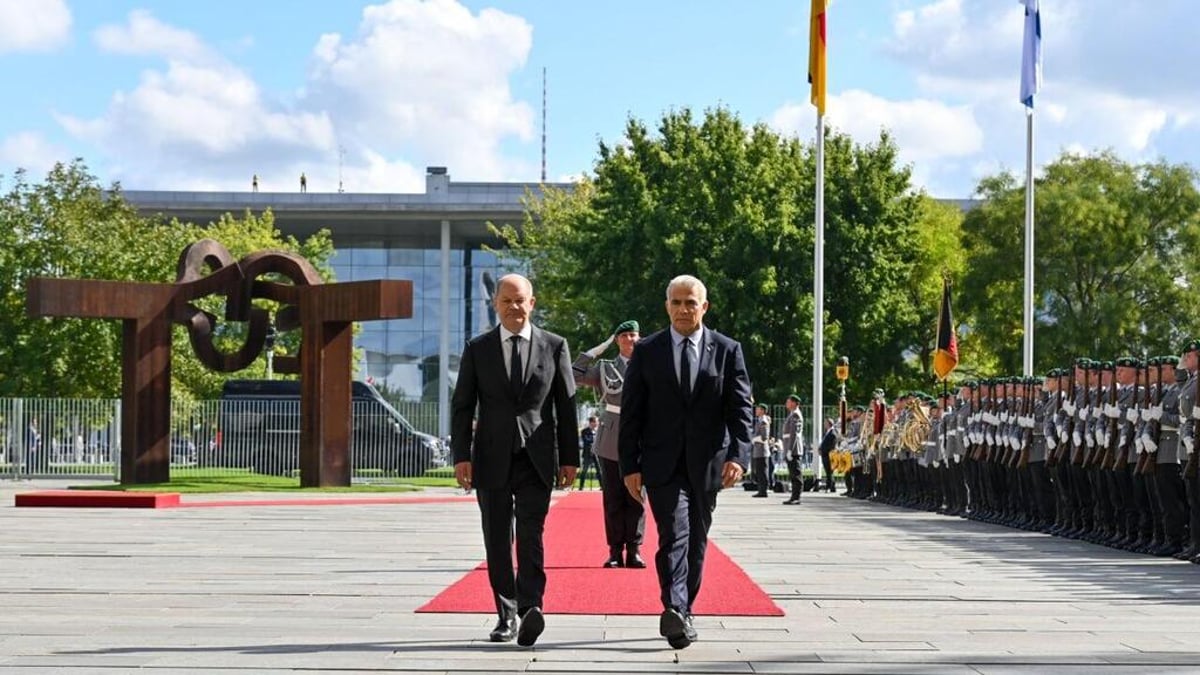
(677, 337)
(526, 332)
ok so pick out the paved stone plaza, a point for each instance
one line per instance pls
(866, 589)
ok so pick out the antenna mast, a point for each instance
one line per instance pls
(543, 124)
(341, 161)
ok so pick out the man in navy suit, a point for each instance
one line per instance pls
(517, 378)
(685, 434)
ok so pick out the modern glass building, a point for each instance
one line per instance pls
(438, 240)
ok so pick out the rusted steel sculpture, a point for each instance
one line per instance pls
(324, 313)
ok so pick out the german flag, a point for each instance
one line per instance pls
(945, 356)
(816, 54)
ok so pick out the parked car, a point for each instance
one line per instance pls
(260, 427)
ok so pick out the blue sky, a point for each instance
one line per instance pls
(172, 95)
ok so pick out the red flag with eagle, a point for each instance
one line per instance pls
(945, 355)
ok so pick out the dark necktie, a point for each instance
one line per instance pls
(685, 369)
(516, 371)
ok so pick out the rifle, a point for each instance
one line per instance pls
(1023, 455)
(1189, 469)
(1077, 454)
(1052, 457)
(1108, 459)
(976, 404)
(1149, 460)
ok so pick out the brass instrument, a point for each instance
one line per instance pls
(916, 428)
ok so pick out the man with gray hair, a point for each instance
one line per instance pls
(685, 435)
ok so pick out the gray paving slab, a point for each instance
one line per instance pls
(283, 589)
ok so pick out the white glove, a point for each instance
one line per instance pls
(1140, 443)
(1111, 411)
(1051, 443)
(1069, 408)
(1131, 414)
(1076, 438)
(1196, 412)
(1085, 412)
(599, 349)
(1154, 413)
(1149, 444)
(1062, 435)
(1188, 443)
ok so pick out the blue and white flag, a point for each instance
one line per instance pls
(1031, 55)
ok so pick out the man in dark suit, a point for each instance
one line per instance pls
(517, 379)
(685, 434)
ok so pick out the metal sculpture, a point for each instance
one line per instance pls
(324, 314)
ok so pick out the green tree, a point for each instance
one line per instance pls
(1113, 268)
(68, 226)
(734, 206)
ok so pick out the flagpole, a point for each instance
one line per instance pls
(819, 295)
(1027, 351)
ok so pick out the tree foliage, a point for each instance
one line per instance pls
(68, 226)
(1113, 267)
(734, 206)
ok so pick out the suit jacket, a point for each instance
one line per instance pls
(543, 414)
(659, 428)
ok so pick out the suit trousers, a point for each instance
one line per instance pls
(683, 516)
(525, 501)
(624, 516)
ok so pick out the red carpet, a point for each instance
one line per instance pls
(576, 584)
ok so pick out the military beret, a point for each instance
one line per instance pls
(1083, 362)
(794, 397)
(626, 327)
(877, 392)
(859, 408)
(1191, 345)
(1126, 362)
(1169, 360)
(1152, 361)
(1108, 365)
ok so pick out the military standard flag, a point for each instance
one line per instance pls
(816, 54)
(945, 356)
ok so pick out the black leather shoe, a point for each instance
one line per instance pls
(532, 625)
(505, 631)
(673, 626)
(791, 501)
(689, 630)
(759, 494)
(614, 559)
(633, 559)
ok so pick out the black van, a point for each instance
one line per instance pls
(260, 429)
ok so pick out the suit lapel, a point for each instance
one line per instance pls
(704, 360)
(537, 347)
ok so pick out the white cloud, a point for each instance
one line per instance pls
(1116, 76)
(430, 80)
(923, 129)
(421, 83)
(145, 35)
(29, 150)
(33, 26)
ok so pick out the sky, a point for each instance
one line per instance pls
(169, 95)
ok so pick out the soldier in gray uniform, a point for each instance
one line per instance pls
(624, 516)
(1188, 411)
(760, 450)
(1168, 474)
(793, 446)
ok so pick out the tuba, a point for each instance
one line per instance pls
(916, 430)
